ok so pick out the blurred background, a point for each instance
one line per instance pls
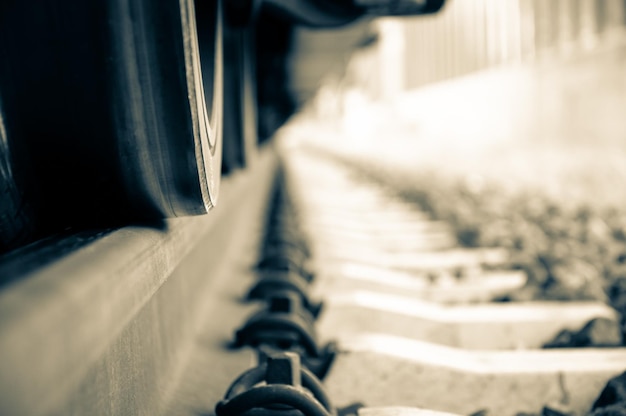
(537, 88)
(401, 54)
(502, 117)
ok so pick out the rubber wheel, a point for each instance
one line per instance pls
(112, 109)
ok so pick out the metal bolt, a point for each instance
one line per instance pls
(284, 368)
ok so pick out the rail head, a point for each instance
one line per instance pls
(65, 301)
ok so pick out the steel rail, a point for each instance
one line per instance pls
(102, 327)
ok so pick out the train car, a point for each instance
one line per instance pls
(131, 111)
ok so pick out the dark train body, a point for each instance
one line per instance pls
(115, 112)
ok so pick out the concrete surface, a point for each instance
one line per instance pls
(486, 326)
(341, 277)
(384, 370)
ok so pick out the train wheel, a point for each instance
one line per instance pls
(240, 121)
(176, 78)
(112, 109)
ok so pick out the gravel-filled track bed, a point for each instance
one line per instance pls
(412, 340)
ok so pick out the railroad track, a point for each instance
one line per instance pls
(102, 322)
(410, 316)
(407, 337)
(373, 297)
(418, 337)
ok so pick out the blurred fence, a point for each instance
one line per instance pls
(470, 35)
